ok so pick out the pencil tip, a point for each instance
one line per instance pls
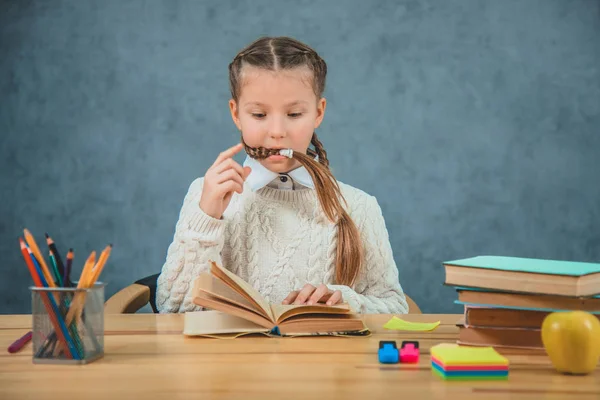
(110, 245)
(46, 234)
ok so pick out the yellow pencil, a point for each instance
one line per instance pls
(36, 252)
(79, 298)
(91, 277)
(100, 265)
(87, 270)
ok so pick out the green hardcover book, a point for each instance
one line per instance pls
(526, 275)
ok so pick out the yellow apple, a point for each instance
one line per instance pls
(572, 341)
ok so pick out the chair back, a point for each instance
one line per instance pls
(413, 308)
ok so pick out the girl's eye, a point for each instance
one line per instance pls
(262, 115)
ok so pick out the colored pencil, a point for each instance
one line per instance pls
(54, 250)
(79, 298)
(38, 255)
(57, 274)
(37, 280)
(97, 270)
(67, 278)
(58, 315)
(64, 300)
(90, 273)
(50, 340)
(95, 274)
(52, 246)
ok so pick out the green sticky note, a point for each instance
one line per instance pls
(400, 325)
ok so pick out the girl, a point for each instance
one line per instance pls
(281, 221)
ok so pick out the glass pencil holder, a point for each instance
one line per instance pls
(68, 324)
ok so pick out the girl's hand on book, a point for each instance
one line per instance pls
(221, 180)
(310, 295)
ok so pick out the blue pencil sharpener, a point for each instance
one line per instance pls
(388, 352)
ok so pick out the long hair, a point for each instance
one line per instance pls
(282, 53)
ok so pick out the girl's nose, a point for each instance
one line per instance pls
(277, 134)
(277, 129)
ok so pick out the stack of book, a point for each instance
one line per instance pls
(453, 362)
(506, 299)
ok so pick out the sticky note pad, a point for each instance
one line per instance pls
(400, 325)
(461, 376)
(450, 361)
(450, 354)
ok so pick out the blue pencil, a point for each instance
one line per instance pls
(61, 322)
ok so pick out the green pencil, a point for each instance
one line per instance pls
(58, 276)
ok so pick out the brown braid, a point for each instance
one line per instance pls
(259, 153)
(329, 196)
(320, 150)
(282, 53)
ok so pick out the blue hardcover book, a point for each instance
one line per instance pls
(525, 275)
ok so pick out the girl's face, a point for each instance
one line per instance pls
(277, 110)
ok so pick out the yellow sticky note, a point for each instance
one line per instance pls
(453, 354)
(400, 325)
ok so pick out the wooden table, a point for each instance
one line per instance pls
(147, 357)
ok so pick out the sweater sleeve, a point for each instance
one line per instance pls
(198, 238)
(380, 292)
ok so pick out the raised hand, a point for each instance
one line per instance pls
(222, 179)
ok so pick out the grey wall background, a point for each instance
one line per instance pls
(476, 124)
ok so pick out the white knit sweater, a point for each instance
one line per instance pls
(279, 240)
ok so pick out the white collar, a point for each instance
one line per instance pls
(260, 176)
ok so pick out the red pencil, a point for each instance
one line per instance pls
(38, 282)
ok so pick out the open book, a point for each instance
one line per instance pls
(237, 308)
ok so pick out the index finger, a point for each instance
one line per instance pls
(304, 294)
(291, 297)
(230, 152)
(318, 295)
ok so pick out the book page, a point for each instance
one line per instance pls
(213, 303)
(242, 287)
(524, 282)
(283, 311)
(212, 285)
(322, 323)
(201, 323)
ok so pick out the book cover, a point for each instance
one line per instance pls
(525, 275)
(529, 265)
